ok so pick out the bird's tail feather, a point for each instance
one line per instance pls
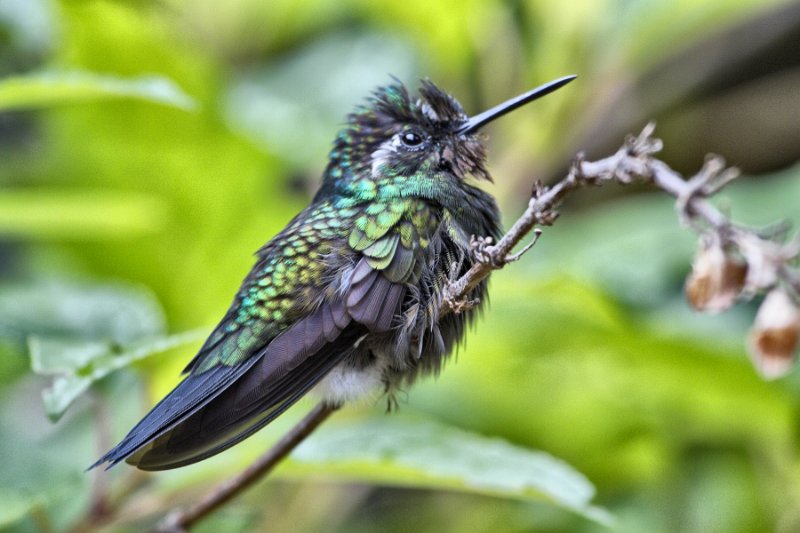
(237, 413)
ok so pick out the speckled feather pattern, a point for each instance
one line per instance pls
(350, 289)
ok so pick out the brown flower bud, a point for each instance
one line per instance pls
(716, 279)
(775, 335)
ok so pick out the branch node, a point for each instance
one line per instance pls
(645, 145)
(576, 172)
(539, 189)
(547, 217)
(720, 181)
(710, 179)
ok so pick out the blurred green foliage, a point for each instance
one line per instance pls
(52, 88)
(147, 148)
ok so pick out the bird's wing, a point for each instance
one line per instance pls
(283, 372)
(254, 366)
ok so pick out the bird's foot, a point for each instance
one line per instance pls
(482, 250)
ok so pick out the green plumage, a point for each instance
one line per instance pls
(346, 298)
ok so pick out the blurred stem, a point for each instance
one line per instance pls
(42, 519)
(183, 519)
(100, 503)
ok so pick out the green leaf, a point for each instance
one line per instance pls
(48, 88)
(412, 453)
(108, 312)
(80, 333)
(81, 215)
(559, 365)
(78, 364)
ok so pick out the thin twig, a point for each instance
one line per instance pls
(182, 519)
(100, 506)
(634, 162)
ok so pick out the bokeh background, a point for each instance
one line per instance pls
(149, 147)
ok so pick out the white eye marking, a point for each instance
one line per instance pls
(405, 141)
(382, 155)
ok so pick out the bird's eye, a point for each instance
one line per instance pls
(411, 139)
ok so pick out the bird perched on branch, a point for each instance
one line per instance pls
(346, 299)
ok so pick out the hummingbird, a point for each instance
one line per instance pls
(345, 301)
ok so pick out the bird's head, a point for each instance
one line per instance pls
(396, 135)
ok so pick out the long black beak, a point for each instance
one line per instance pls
(473, 123)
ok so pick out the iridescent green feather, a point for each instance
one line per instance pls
(278, 290)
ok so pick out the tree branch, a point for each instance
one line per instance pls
(635, 162)
(766, 263)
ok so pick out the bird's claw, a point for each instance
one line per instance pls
(483, 252)
(460, 305)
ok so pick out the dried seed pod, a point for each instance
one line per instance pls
(716, 279)
(775, 335)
